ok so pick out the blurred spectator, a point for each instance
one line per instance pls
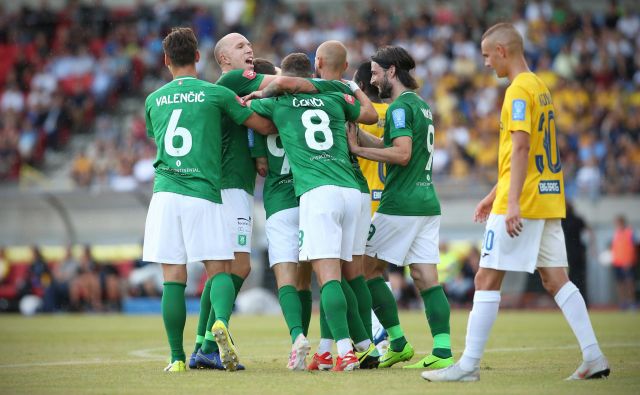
(82, 170)
(574, 229)
(146, 279)
(4, 265)
(38, 277)
(86, 291)
(65, 273)
(624, 260)
(461, 287)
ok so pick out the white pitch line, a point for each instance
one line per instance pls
(145, 354)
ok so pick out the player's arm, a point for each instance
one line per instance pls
(483, 209)
(519, 162)
(398, 154)
(368, 114)
(260, 124)
(279, 85)
(364, 138)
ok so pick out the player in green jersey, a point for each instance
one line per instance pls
(405, 229)
(185, 221)
(329, 195)
(234, 54)
(330, 64)
(281, 227)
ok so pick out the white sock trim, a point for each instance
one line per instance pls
(325, 346)
(486, 296)
(565, 293)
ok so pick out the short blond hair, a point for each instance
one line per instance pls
(506, 35)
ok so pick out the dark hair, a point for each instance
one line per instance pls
(397, 56)
(296, 64)
(263, 66)
(181, 46)
(362, 77)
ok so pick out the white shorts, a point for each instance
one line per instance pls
(362, 227)
(282, 236)
(238, 207)
(540, 244)
(328, 219)
(181, 229)
(403, 240)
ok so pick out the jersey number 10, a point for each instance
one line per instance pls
(547, 125)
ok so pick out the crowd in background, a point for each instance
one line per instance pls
(67, 72)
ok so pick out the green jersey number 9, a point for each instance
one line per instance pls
(172, 131)
(278, 152)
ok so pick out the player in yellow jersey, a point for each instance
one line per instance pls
(373, 171)
(524, 209)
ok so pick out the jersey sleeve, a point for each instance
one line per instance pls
(401, 121)
(232, 106)
(263, 107)
(242, 82)
(351, 107)
(259, 147)
(519, 108)
(147, 119)
(325, 86)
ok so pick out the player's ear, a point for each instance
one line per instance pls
(167, 62)
(197, 56)
(392, 71)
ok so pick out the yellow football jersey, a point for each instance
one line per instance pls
(374, 171)
(528, 107)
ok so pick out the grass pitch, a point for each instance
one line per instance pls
(528, 353)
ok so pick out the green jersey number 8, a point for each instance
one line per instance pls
(312, 128)
(272, 145)
(172, 131)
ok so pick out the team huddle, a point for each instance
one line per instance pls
(324, 146)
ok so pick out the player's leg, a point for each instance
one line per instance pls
(424, 255)
(327, 228)
(203, 318)
(303, 285)
(552, 265)
(500, 253)
(387, 244)
(163, 243)
(238, 206)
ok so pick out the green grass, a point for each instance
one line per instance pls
(528, 353)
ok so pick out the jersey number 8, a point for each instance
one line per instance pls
(312, 128)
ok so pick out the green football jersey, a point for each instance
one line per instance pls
(278, 193)
(238, 168)
(312, 129)
(184, 118)
(324, 86)
(409, 190)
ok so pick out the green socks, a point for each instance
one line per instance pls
(357, 329)
(205, 309)
(386, 309)
(335, 309)
(360, 289)
(436, 307)
(306, 304)
(222, 297)
(237, 284)
(174, 315)
(325, 331)
(291, 309)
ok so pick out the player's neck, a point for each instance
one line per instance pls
(330, 75)
(185, 71)
(397, 90)
(518, 67)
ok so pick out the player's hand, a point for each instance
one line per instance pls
(262, 166)
(513, 220)
(352, 137)
(352, 85)
(483, 209)
(253, 95)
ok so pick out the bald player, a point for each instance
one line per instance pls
(523, 212)
(235, 57)
(330, 65)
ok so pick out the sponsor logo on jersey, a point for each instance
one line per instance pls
(376, 194)
(240, 101)
(399, 117)
(546, 187)
(349, 99)
(249, 74)
(518, 107)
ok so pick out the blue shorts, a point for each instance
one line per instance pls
(624, 273)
